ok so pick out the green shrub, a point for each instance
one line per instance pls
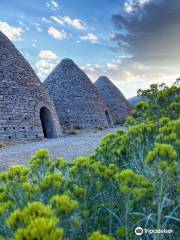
(131, 180)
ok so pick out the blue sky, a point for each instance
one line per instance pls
(96, 35)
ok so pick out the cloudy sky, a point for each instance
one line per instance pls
(133, 42)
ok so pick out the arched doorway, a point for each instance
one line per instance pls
(109, 120)
(47, 123)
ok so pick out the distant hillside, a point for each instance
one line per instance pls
(134, 100)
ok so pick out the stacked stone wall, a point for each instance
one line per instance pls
(21, 97)
(76, 99)
(114, 99)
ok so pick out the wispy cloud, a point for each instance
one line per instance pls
(13, 33)
(47, 54)
(76, 23)
(133, 5)
(34, 43)
(151, 32)
(112, 66)
(37, 26)
(43, 68)
(94, 70)
(44, 19)
(90, 37)
(59, 35)
(147, 30)
(39, 29)
(23, 25)
(57, 19)
(53, 5)
(46, 62)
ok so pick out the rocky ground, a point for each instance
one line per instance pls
(69, 147)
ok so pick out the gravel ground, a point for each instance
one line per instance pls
(69, 147)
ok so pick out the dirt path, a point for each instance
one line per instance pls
(68, 147)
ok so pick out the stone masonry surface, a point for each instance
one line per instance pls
(76, 99)
(115, 101)
(22, 97)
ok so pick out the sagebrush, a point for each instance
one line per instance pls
(132, 180)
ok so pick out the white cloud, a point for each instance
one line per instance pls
(39, 29)
(94, 71)
(46, 63)
(132, 5)
(142, 2)
(56, 34)
(76, 23)
(47, 54)
(129, 76)
(37, 26)
(23, 25)
(13, 33)
(58, 20)
(43, 68)
(128, 7)
(44, 19)
(90, 37)
(112, 66)
(53, 5)
(34, 43)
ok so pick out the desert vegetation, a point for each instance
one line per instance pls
(132, 180)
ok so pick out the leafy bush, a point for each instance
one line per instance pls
(132, 180)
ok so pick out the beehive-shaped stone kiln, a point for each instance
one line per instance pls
(76, 99)
(117, 104)
(26, 110)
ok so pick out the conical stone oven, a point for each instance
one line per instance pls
(26, 110)
(76, 99)
(114, 99)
